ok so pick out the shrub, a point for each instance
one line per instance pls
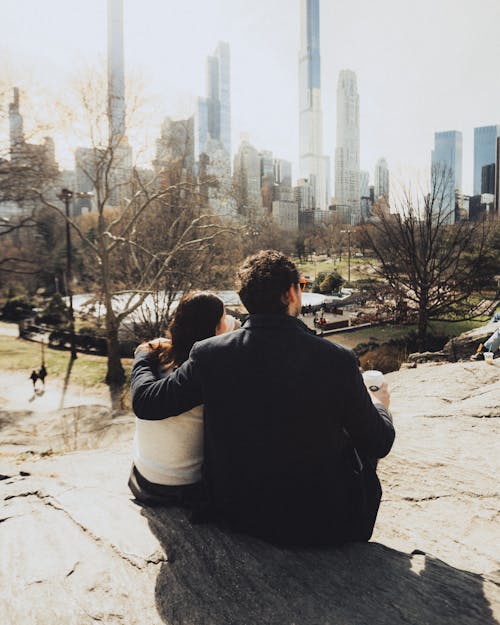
(55, 312)
(17, 308)
(327, 282)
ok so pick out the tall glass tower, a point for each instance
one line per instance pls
(16, 128)
(223, 57)
(214, 111)
(446, 171)
(485, 142)
(381, 179)
(314, 166)
(116, 72)
(347, 192)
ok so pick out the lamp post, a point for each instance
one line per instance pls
(348, 232)
(66, 196)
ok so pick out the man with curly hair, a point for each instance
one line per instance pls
(292, 436)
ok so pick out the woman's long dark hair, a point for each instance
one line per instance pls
(196, 317)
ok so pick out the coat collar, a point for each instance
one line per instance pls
(276, 321)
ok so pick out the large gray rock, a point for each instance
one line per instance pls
(461, 347)
(466, 344)
(76, 549)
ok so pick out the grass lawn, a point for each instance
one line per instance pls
(379, 334)
(24, 356)
(454, 328)
(360, 267)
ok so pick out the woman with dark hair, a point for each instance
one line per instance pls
(168, 453)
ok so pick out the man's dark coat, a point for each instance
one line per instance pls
(291, 434)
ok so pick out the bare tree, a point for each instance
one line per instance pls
(13, 258)
(326, 236)
(148, 226)
(210, 263)
(426, 260)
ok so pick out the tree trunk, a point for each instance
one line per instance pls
(422, 328)
(115, 375)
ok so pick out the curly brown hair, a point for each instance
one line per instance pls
(196, 317)
(264, 279)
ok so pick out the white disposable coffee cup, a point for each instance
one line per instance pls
(373, 379)
(488, 357)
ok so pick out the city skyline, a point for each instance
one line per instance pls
(398, 68)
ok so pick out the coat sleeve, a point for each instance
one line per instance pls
(369, 426)
(156, 398)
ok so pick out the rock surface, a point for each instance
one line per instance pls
(76, 549)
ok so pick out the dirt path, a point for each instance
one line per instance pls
(16, 393)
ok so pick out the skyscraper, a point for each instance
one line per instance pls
(347, 175)
(116, 72)
(381, 179)
(283, 172)
(98, 168)
(86, 163)
(40, 159)
(214, 111)
(314, 166)
(16, 127)
(485, 140)
(223, 56)
(488, 179)
(247, 176)
(174, 160)
(267, 180)
(120, 169)
(446, 171)
(364, 183)
(213, 133)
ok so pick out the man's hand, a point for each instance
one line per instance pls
(382, 396)
(153, 347)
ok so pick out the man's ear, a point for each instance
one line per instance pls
(290, 296)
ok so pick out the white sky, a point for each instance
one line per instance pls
(422, 65)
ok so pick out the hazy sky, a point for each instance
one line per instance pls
(421, 66)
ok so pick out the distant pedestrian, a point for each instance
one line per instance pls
(42, 374)
(34, 378)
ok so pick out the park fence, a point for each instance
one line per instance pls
(61, 339)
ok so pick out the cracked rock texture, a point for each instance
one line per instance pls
(76, 549)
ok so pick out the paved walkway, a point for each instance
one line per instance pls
(16, 390)
(9, 329)
(16, 393)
